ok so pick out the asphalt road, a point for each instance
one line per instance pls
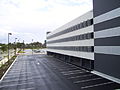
(42, 72)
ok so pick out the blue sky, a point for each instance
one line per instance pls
(31, 19)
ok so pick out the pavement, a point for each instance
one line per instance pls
(42, 72)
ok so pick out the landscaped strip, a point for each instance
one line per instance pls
(6, 66)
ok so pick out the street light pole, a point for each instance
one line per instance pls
(23, 45)
(15, 45)
(32, 46)
(8, 44)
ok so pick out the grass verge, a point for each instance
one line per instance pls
(20, 51)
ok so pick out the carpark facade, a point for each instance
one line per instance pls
(91, 41)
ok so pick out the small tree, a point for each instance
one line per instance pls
(3, 48)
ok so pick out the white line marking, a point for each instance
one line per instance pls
(15, 80)
(30, 83)
(87, 80)
(81, 76)
(67, 68)
(96, 85)
(73, 73)
(38, 63)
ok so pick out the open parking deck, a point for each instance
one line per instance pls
(42, 72)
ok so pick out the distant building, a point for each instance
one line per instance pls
(91, 41)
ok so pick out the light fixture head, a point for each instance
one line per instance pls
(10, 33)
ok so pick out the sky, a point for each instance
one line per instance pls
(31, 19)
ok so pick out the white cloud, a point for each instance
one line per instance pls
(39, 16)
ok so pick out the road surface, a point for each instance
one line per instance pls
(42, 72)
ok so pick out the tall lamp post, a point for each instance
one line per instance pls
(15, 45)
(8, 43)
(32, 46)
(23, 45)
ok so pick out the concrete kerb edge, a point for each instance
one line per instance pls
(8, 69)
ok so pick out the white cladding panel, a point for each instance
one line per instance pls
(86, 55)
(88, 29)
(89, 42)
(86, 42)
(82, 18)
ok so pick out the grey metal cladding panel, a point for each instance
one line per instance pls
(103, 6)
(107, 33)
(107, 24)
(108, 64)
(110, 41)
(114, 50)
